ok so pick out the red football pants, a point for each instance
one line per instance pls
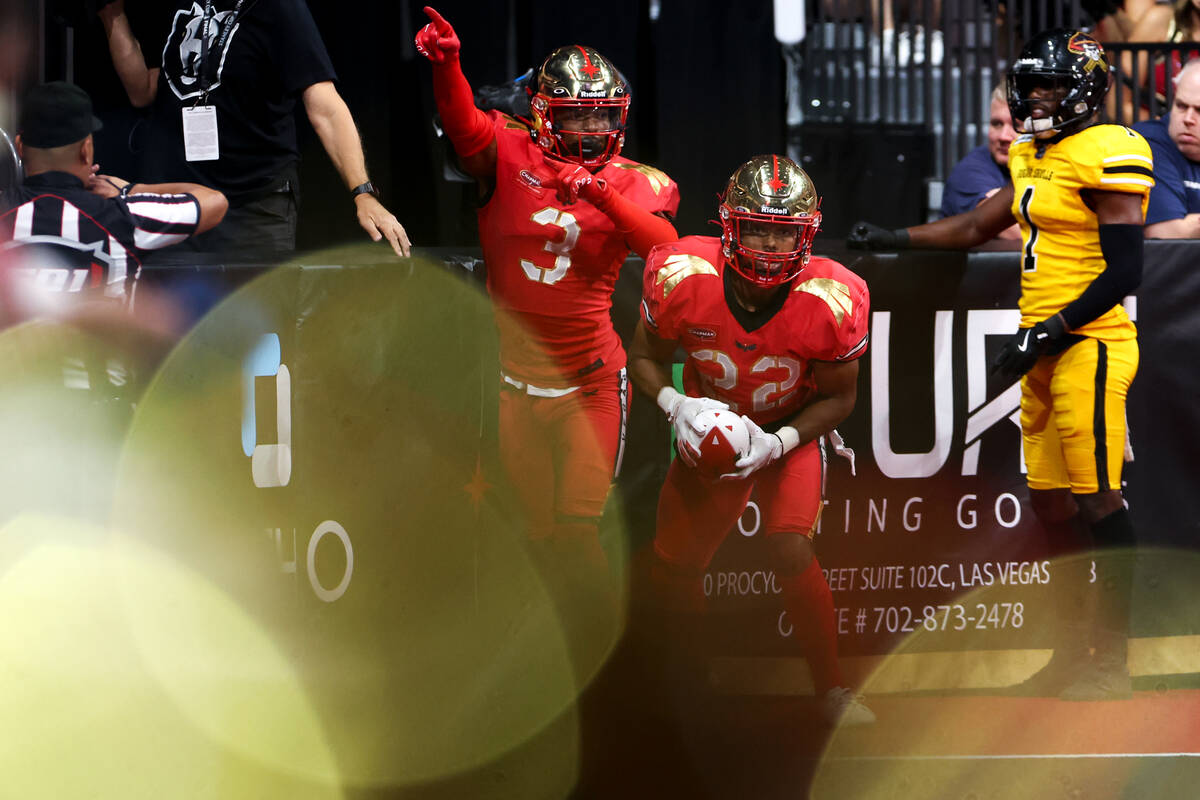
(694, 514)
(562, 453)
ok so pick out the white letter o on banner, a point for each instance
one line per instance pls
(329, 526)
(742, 529)
(1016, 504)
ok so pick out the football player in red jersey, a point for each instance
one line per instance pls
(560, 210)
(773, 334)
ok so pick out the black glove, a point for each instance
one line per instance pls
(1026, 346)
(865, 236)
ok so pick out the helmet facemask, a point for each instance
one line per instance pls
(764, 249)
(585, 132)
(1054, 88)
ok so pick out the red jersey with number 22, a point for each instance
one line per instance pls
(551, 267)
(766, 373)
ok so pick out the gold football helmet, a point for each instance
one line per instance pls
(769, 214)
(580, 107)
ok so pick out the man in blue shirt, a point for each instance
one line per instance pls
(983, 171)
(1174, 211)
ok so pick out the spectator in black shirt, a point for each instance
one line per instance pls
(68, 229)
(246, 62)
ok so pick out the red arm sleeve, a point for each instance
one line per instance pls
(643, 229)
(469, 129)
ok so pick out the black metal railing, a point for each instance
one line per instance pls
(934, 63)
(1143, 85)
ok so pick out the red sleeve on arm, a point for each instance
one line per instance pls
(468, 128)
(852, 332)
(654, 304)
(643, 229)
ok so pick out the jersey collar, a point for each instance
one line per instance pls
(751, 320)
(54, 180)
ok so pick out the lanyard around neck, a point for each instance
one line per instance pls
(226, 30)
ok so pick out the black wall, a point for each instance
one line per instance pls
(707, 78)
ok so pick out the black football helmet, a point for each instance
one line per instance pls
(577, 82)
(1070, 63)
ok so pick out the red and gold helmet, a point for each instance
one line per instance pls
(580, 107)
(769, 214)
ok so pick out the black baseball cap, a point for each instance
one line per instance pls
(56, 114)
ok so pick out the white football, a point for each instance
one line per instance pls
(721, 440)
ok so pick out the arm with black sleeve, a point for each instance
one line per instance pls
(467, 127)
(1119, 215)
(1121, 244)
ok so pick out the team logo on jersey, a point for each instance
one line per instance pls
(1089, 48)
(185, 45)
(678, 268)
(702, 333)
(529, 178)
(658, 179)
(747, 346)
(835, 294)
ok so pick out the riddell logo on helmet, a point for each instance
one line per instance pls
(772, 210)
(1029, 62)
(593, 93)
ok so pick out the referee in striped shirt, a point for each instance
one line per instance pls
(70, 230)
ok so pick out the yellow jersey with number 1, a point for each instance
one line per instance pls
(1060, 253)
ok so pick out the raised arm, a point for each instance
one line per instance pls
(140, 81)
(331, 119)
(468, 128)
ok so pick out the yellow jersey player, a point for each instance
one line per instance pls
(1079, 193)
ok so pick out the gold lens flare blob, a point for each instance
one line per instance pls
(986, 719)
(91, 691)
(62, 420)
(321, 448)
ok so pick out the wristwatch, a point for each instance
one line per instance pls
(365, 188)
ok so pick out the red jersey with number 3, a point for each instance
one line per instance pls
(551, 268)
(763, 373)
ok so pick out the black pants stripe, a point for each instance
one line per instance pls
(1099, 428)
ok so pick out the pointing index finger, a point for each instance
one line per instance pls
(438, 20)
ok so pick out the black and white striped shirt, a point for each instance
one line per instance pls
(88, 243)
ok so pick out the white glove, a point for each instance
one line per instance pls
(765, 449)
(681, 412)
